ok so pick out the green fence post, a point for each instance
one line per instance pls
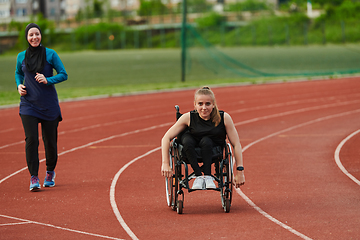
(270, 35)
(98, 40)
(305, 34)
(183, 41)
(323, 32)
(343, 31)
(136, 39)
(222, 30)
(110, 41)
(73, 41)
(149, 38)
(253, 34)
(86, 37)
(162, 35)
(237, 36)
(287, 37)
(123, 39)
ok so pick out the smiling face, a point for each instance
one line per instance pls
(204, 105)
(34, 37)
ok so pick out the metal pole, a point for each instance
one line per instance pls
(183, 42)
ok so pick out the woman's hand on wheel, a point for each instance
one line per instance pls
(166, 170)
(239, 179)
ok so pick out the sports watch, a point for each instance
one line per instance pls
(240, 168)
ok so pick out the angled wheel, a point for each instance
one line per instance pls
(170, 182)
(226, 180)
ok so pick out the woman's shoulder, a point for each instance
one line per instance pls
(184, 119)
(50, 51)
(227, 118)
(21, 55)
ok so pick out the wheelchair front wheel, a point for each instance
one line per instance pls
(227, 205)
(180, 206)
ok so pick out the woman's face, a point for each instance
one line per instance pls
(204, 106)
(34, 37)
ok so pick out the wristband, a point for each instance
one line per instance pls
(240, 168)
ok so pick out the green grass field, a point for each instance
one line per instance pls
(126, 71)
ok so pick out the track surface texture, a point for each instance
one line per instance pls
(301, 158)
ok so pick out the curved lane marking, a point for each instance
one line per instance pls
(251, 203)
(92, 143)
(236, 111)
(72, 150)
(25, 221)
(338, 161)
(112, 194)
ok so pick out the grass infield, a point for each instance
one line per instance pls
(93, 73)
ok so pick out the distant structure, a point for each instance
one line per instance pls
(22, 10)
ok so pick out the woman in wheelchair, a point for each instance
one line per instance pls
(205, 127)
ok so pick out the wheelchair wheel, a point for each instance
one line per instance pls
(178, 192)
(226, 181)
(169, 184)
(180, 206)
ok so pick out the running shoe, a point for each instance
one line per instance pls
(34, 183)
(209, 182)
(198, 183)
(49, 179)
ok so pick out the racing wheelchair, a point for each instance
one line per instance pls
(222, 159)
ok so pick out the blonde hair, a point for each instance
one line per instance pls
(215, 114)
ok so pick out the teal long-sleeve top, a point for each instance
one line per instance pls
(41, 100)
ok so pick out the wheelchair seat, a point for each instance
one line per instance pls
(217, 153)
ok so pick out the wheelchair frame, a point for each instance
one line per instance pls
(181, 177)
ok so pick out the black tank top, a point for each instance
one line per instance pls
(200, 128)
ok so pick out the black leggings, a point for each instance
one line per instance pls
(49, 135)
(206, 145)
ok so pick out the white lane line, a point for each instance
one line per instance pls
(25, 221)
(150, 128)
(251, 203)
(85, 128)
(268, 216)
(240, 123)
(12, 224)
(77, 148)
(112, 193)
(93, 143)
(297, 111)
(338, 161)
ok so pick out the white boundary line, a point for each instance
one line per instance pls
(237, 111)
(112, 193)
(92, 143)
(338, 161)
(53, 226)
(251, 203)
(112, 189)
(72, 150)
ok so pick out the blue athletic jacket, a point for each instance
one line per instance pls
(41, 99)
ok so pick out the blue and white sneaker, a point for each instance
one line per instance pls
(49, 179)
(34, 183)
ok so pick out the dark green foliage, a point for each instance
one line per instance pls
(210, 20)
(154, 7)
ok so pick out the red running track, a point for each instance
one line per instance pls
(108, 184)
